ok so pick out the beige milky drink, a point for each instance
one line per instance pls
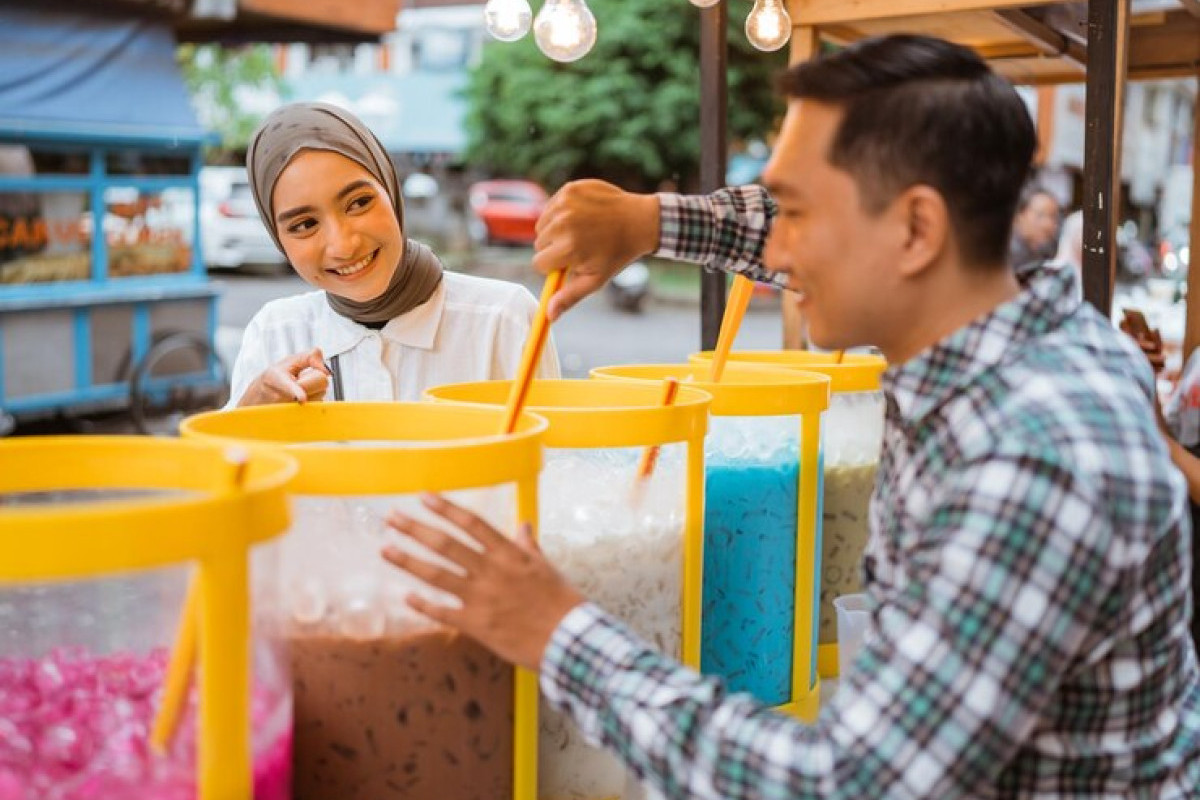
(844, 532)
(427, 716)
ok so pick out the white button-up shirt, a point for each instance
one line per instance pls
(471, 329)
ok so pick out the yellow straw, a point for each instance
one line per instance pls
(534, 344)
(183, 654)
(650, 454)
(735, 309)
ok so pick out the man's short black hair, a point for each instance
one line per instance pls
(920, 110)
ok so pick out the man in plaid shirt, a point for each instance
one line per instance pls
(1029, 562)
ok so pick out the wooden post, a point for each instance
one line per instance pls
(714, 88)
(805, 44)
(1108, 36)
(1191, 330)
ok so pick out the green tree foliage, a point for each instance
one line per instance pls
(629, 111)
(217, 78)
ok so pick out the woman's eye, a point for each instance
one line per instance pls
(360, 202)
(302, 226)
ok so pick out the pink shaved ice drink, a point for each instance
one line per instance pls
(75, 726)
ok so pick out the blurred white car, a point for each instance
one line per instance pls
(232, 235)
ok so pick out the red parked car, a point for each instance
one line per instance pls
(506, 210)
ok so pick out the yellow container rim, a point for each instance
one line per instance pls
(351, 448)
(585, 413)
(745, 389)
(857, 372)
(211, 513)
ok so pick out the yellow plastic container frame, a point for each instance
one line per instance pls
(748, 390)
(459, 449)
(856, 372)
(228, 509)
(585, 414)
(593, 414)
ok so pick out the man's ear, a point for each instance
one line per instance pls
(922, 212)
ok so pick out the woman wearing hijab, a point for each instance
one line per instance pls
(386, 321)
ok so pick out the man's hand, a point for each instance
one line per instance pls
(297, 378)
(594, 230)
(512, 599)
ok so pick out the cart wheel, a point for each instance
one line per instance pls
(180, 376)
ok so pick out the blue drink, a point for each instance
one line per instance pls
(750, 575)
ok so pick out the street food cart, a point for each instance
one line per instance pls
(104, 300)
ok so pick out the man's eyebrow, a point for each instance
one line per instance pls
(291, 213)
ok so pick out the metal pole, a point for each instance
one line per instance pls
(713, 103)
(1108, 26)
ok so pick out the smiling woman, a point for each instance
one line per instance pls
(386, 322)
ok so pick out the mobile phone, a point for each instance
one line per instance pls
(1136, 322)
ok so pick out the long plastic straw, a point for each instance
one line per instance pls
(534, 344)
(650, 454)
(735, 309)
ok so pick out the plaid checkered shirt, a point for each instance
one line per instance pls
(1028, 574)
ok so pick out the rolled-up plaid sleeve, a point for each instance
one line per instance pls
(726, 230)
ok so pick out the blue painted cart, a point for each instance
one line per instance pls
(104, 300)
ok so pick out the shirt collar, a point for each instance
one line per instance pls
(416, 328)
(921, 385)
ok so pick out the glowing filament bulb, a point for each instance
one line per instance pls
(565, 30)
(507, 20)
(768, 27)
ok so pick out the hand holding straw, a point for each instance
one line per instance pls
(735, 309)
(183, 653)
(538, 334)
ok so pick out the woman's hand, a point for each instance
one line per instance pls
(512, 598)
(297, 378)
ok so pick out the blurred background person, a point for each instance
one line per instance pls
(1035, 227)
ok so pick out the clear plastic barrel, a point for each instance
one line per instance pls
(620, 541)
(82, 668)
(387, 703)
(750, 533)
(853, 435)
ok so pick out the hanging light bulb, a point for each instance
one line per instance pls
(704, 3)
(768, 27)
(565, 30)
(507, 20)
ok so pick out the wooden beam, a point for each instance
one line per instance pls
(1006, 50)
(806, 43)
(1047, 40)
(372, 16)
(1108, 37)
(1192, 7)
(821, 12)
(1172, 48)
(1191, 326)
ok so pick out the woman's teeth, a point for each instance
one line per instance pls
(357, 266)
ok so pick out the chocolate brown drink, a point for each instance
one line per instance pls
(424, 716)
